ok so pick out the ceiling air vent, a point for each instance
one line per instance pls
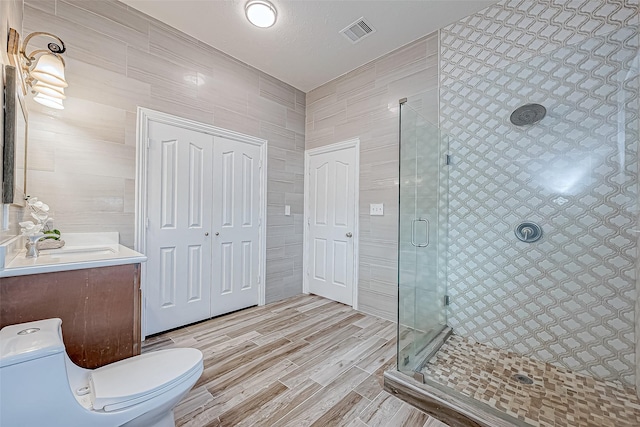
(358, 30)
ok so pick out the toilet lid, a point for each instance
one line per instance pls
(134, 380)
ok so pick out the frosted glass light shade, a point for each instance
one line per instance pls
(49, 69)
(261, 13)
(48, 101)
(52, 91)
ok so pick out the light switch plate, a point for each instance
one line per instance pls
(376, 209)
(287, 210)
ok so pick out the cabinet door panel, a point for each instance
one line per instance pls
(99, 308)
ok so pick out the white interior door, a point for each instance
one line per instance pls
(331, 220)
(236, 223)
(202, 193)
(179, 207)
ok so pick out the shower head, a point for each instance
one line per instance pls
(528, 114)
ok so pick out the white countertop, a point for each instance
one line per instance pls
(81, 250)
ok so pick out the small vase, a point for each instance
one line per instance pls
(32, 245)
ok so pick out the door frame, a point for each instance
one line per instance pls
(144, 117)
(338, 146)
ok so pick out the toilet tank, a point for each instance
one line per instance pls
(34, 387)
(26, 342)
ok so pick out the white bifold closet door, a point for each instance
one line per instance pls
(203, 203)
(236, 215)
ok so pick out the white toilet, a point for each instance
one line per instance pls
(40, 386)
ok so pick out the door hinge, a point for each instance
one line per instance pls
(260, 164)
(447, 159)
(146, 223)
(259, 222)
(258, 282)
(447, 301)
(148, 144)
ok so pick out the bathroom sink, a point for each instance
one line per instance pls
(81, 250)
(62, 253)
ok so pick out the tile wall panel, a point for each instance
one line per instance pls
(569, 298)
(364, 104)
(82, 159)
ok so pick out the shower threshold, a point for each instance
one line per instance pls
(472, 384)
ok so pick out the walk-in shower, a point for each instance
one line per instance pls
(518, 239)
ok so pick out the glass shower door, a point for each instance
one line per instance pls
(422, 237)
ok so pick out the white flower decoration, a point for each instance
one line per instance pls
(39, 212)
(30, 229)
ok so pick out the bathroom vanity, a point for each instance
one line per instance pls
(92, 284)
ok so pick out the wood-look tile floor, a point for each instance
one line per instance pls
(304, 361)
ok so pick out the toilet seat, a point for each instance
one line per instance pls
(140, 378)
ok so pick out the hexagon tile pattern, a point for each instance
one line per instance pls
(569, 298)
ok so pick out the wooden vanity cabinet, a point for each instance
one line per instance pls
(99, 307)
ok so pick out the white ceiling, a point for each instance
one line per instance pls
(304, 47)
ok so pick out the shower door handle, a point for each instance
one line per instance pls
(413, 233)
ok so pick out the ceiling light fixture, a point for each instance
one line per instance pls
(261, 13)
(42, 70)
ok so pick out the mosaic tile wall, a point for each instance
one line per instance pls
(569, 298)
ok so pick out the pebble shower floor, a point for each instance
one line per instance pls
(557, 397)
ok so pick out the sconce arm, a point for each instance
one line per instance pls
(54, 48)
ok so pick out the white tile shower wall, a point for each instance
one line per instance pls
(569, 298)
(11, 13)
(364, 104)
(517, 30)
(82, 159)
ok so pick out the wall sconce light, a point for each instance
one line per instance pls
(42, 70)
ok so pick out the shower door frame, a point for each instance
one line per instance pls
(438, 335)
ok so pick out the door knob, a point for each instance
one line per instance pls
(206, 234)
(217, 234)
(349, 234)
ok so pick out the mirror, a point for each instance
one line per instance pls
(15, 141)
